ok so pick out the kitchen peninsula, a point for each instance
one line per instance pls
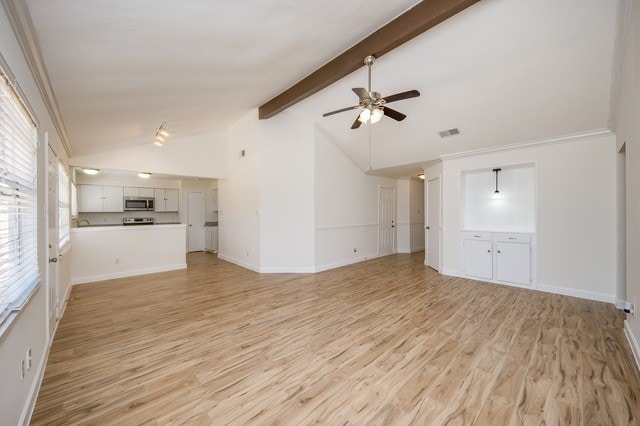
(108, 252)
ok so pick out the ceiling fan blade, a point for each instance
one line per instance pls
(401, 96)
(356, 123)
(361, 92)
(326, 114)
(392, 113)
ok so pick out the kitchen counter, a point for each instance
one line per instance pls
(107, 252)
(115, 227)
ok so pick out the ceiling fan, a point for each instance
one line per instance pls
(373, 105)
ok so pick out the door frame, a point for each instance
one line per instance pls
(426, 217)
(393, 221)
(203, 214)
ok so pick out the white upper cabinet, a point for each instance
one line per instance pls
(99, 198)
(131, 191)
(167, 200)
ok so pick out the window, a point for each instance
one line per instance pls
(63, 207)
(19, 273)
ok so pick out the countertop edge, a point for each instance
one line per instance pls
(126, 228)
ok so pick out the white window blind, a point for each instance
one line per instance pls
(63, 206)
(19, 273)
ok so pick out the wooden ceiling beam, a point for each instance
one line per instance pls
(423, 16)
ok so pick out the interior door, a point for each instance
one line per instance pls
(433, 224)
(386, 220)
(195, 221)
(52, 240)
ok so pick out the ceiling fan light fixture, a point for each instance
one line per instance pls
(365, 115)
(376, 115)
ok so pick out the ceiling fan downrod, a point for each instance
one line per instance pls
(368, 61)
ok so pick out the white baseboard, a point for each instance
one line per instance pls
(415, 249)
(346, 262)
(633, 342)
(582, 294)
(124, 274)
(239, 263)
(288, 270)
(449, 272)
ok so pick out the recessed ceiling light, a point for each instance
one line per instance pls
(91, 171)
(144, 175)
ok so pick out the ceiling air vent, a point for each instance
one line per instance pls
(450, 132)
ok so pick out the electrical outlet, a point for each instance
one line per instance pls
(28, 359)
(22, 370)
(117, 261)
(247, 253)
(355, 249)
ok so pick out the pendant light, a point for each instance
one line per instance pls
(496, 195)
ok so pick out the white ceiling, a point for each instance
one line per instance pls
(502, 71)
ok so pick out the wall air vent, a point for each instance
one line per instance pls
(450, 132)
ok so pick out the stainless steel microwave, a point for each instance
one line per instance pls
(139, 204)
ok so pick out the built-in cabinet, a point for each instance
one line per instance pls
(104, 198)
(211, 238)
(100, 198)
(130, 191)
(498, 256)
(166, 200)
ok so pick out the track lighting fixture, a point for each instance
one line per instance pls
(161, 135)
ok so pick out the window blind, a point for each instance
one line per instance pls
(63, 206)
(19, 273)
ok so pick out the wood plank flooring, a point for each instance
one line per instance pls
(387, 341)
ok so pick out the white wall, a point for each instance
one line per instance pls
(28, 329)
(239, 196)
(576, 212)
(105, 253)
(410, 215)
(403, 215)
(197, 156)
(416, 214)
(627, 130)
(346, 207)
(286, 195)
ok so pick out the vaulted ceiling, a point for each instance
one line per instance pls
(502, 71)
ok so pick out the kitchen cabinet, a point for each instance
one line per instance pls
(211, 238)
(214, 204)
(131, 191)
(100, 198)
(166, 200)
(498, 257)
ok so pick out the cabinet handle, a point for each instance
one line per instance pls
(512, 238)
(488, 251)
(498, 251)
(476, 236)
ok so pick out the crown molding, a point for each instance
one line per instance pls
(20, 19)
(538, 142)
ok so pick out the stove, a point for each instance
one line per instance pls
(137, 221)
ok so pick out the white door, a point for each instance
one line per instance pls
(52, 241)
(433, 224)
(386, 220)
(195, 221)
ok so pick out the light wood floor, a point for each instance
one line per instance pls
(384, 341)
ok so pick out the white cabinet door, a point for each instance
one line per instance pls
(147, 192)
(171, 199)
(159, 199)
(130, 191)
(214, 238)
(478, 259)
(90, 198)
(513, 262)
(214, 204)
(113, 198)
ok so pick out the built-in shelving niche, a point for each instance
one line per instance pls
(515, 211)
